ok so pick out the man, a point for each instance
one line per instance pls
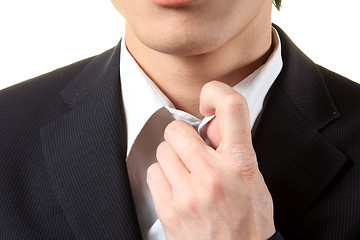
(277, 155)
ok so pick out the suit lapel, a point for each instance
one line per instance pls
(295, 160)
(85, 155)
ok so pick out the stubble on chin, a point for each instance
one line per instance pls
(182, 42)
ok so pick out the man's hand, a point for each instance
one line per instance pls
(205, 193)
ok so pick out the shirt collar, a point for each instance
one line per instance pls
(255, 87)
(142, 98)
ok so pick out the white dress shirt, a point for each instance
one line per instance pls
(143, 100)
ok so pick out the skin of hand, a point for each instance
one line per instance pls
(204, 193)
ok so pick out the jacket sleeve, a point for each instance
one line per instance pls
(277, 236)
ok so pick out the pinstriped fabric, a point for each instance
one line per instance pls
(28, 206)
(325, 152)
(91, 75)
(85, 155)
(338, 211)
(291, 175)
(343, 196)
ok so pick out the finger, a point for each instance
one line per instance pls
(232, 115)
(174, 169)
(213, 133)
(159, 186)
(188, 145)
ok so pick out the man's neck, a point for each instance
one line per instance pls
(182, 77)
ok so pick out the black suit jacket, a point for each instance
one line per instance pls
(62, 153)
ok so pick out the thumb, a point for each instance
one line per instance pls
(232, 116)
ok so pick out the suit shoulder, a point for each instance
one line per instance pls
(45, 83)
(25, 106)
(39, 90)
(345, 93)
(344, 131)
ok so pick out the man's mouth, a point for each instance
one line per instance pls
(173, 3)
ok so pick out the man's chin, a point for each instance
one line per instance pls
(182, 46)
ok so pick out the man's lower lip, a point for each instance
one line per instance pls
(173, 3)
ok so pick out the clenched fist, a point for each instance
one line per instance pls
(202, 192)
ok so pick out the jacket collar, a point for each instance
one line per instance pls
(297, 162)
(85, 154)
(303, 83)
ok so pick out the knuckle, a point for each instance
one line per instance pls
(162, 146)
(161, 149)
(213, 187)
(170, 128)
(195, 152)
(241, 140)
(244, 134)
(210, 179)
(210, 85)
(152, 171)
(167, 216)
(244, 163)
(208, 88)
(234, 102)
(173, 127)
(186, 203)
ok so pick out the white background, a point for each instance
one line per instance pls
(38, 36)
